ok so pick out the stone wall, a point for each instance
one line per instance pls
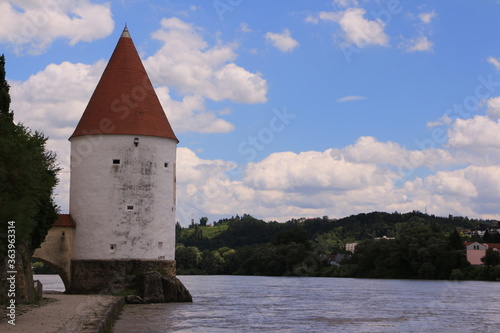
(113, 276)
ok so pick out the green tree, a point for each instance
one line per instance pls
(4, 91)
(212, 262)
(294, 235)
(28, 175)
(455, 241)
(187, 258)
(203, 221)
(491, 258)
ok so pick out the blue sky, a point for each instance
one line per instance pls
(286, 108)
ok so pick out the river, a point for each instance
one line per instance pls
(282, 304)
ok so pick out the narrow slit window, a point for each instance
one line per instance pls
(130, 207)
(112, 247)
(116, 161)
(165, 164)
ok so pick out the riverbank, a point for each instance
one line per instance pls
(59, 312)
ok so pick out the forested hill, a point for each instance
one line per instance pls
(238, 232)
(416, 246)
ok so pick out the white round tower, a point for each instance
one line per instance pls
(122, 197)
(122, 186)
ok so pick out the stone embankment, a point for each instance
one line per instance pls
(66, 313)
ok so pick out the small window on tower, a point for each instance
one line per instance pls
(112, 247)
(116, 161)
(165, 164)
(130, 207)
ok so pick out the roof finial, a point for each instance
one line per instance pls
(125, 32)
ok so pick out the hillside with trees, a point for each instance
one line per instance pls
(390, 245)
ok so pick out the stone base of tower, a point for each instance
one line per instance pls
(113, 276)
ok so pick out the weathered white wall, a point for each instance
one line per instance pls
(100, 192)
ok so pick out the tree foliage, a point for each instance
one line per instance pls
(4, 91)
(28, 174)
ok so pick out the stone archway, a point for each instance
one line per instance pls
(58, 271)
(57, 250)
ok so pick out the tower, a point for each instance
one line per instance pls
(122, 186)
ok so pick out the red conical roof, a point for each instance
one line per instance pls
(124, 101)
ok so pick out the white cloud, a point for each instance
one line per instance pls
(335, 182)
(32, 25)
(357, 29)
(445, 120)
(190, 115)
(312, 170)
(471, 191)
(475, 141)
(478, 133)
(495, 62)
(311, 19)
(368, 150)
(204, 188)
(186, 63)
(282, 41)
(53, 100)
(245, 27)
(493, 109)
(427, 17)
(350, 98)
(421, 43)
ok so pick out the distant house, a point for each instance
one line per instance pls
(475, 251)
(350, 247)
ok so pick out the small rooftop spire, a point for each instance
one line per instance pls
(125, 32)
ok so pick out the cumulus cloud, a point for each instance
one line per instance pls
(469, 191)
(493, 107)
(190, 114)
(369, 150)
(54, 98)
(203, 187)
(312, 170)
(33, 25)
(186, 63)
(282, 41)
(357, 29)
(480, 133)
(421, 43)
(335, 182)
